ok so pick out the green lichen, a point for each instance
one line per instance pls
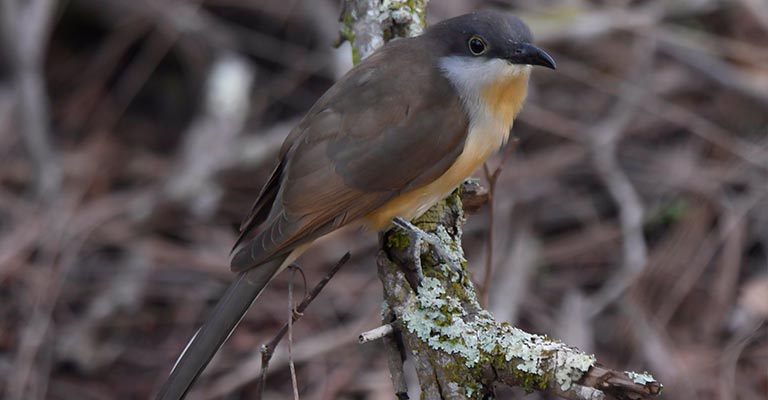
(348, 33)
(398, 241)
(530, 382)
(420, 7)
(445, 316)
(385, 310)
(355, 55)
(443, 323)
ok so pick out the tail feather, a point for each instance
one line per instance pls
(223, 320)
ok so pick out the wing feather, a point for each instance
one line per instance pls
(352, 154)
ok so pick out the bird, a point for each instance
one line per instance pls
(392, 137)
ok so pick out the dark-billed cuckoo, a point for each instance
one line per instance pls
(390, 139)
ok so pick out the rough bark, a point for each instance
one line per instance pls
(368, 24)
(459, 350)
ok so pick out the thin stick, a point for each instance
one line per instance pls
(268, 350)
(393, 344)
(265, 357)
(375, 334)
(492, 178)
(291, 365)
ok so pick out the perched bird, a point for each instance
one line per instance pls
(390, 139)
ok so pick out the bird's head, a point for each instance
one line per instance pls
(489, 38)
(488, 55)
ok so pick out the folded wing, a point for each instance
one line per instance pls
(376, 134)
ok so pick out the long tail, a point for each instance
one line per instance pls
(225, 317)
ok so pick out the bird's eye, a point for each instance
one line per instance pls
(477, 45)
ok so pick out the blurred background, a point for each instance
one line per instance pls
(630, 221)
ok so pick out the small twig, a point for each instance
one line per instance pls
(266, 355)
(268, 350)
(376, 333)
(473, 195)
(492, 179)
(621, 385)
(393, 345)
(291, 313)
(319, 345)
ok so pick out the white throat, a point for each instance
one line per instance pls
(470, 76)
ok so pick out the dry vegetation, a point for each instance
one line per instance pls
(631, 221)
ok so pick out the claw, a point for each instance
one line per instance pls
(412, 269)
(433, 241)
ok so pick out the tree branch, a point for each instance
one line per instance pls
(460, 350)
(24, 45)
(368, 24)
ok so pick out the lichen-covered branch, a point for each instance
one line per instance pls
(460, 350)
(368, 24)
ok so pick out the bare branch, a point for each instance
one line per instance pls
(366, 23)
(291, 314)
(25, 45)
(268, 350)
(393, 344)
(493, 178)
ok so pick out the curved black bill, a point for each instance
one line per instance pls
(527, 53)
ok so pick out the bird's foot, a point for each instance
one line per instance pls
(411, 267)
(417, 237)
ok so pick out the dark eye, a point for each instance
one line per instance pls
(477, 45)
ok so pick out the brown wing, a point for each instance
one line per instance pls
(379, 132)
